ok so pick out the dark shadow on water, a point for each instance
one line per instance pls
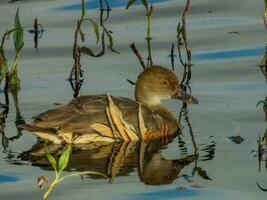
(8, 179)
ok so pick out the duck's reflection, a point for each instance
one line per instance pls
(116, 159)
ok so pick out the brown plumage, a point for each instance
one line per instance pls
(107, 118)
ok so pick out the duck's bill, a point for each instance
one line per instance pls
(189, 99)
(180, 94)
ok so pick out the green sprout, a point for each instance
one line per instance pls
(149, 11)
(59, 167)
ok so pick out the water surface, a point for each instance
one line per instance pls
(226, 81)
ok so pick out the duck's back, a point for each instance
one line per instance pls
(102, 118)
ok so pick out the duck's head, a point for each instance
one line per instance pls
(157, 83)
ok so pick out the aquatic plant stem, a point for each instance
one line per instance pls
(265, 15)
(58, 179)
(15, 63)
(76, 70)
(51, 186)
(182, 39)
(148, 36)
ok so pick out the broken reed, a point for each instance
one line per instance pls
(149, 11)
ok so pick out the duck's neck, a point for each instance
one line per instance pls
(154, 104)
(145, 96)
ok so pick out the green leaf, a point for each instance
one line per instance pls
(6, 34)
(111, 42)
(96, 29)
(64, 159)
(83, 8)
(18, 33)
(130, 2)
(52, 161)
(87, 51)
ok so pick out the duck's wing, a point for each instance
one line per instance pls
(99, 118)
(55, 117)
(131, 110)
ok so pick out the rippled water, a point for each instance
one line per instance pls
(226, 81)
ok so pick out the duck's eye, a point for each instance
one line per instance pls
(165, 82)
